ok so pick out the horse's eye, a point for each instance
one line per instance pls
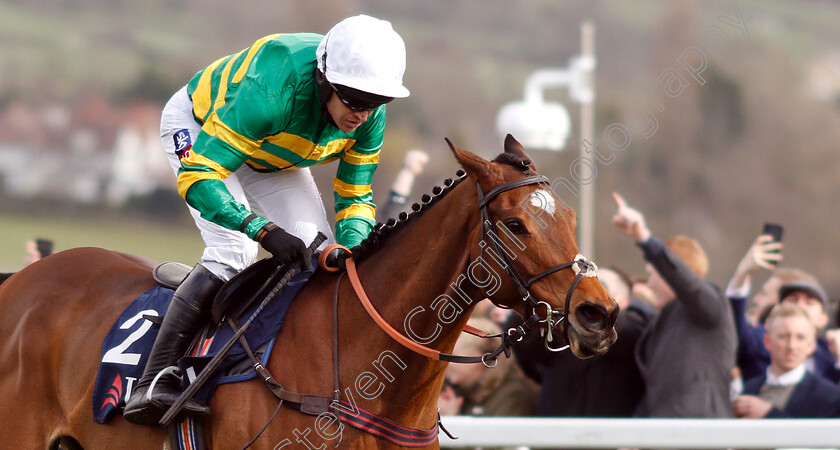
(515, 226)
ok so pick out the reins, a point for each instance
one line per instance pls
(437, 355)
(579, 265)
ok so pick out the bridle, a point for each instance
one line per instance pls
(580, 265)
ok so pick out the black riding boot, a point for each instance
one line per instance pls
(187, 311)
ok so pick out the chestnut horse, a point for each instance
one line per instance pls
(420, 274)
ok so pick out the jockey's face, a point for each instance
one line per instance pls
(346, 119)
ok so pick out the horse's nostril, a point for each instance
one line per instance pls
(592, 316)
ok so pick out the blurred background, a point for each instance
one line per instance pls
(82, 85)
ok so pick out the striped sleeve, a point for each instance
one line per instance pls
(354, 207)
(237, 113)
(218, 151)
(201, 184)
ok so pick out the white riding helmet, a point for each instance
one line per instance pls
(366, 54)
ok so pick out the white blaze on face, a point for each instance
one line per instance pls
(543, 200)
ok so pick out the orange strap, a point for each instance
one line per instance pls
(474, 331)
(353, 275)
(404, 341)
(322, 259)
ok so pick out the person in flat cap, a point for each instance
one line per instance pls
(810, 297)
(788, 388)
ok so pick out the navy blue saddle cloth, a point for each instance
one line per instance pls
(126, 347)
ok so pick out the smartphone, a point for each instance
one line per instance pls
(773, 229)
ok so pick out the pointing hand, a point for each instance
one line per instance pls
(629, 220)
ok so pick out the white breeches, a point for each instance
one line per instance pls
(290, 199)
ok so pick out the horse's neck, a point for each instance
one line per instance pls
(414, 274)
(420, 263)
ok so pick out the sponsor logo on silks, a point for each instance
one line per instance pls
(183, 143)
(114, 393)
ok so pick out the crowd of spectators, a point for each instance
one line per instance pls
(475, 389)
(687, 347)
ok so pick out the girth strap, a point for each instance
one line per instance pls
(346, 412)
(397, 434)
(307, 403)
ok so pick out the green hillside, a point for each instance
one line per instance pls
(752, 144)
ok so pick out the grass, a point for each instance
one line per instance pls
(180, 242)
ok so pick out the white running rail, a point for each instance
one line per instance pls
(640, 433)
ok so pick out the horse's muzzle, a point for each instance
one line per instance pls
(592, 329)
(593, 317)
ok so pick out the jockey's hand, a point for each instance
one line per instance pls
(337, 258)
(284, 247)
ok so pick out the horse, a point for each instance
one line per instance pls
(423, 275)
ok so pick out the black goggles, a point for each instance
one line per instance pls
(358, 100)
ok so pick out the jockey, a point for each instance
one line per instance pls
(240, 137)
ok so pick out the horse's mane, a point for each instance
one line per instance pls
(377, 238)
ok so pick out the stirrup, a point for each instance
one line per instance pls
(170, 370)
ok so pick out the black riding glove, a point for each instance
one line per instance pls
(337, 258)
(284, 247)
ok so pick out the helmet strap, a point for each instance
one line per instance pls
(325, 91)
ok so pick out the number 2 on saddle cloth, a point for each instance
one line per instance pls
(126, 347)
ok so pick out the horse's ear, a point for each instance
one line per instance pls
(473, 164)
(514, 147)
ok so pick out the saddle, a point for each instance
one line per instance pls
(233, 298)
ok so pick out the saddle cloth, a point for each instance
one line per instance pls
(126, 347)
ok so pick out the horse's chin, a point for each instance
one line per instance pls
(589, 344)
